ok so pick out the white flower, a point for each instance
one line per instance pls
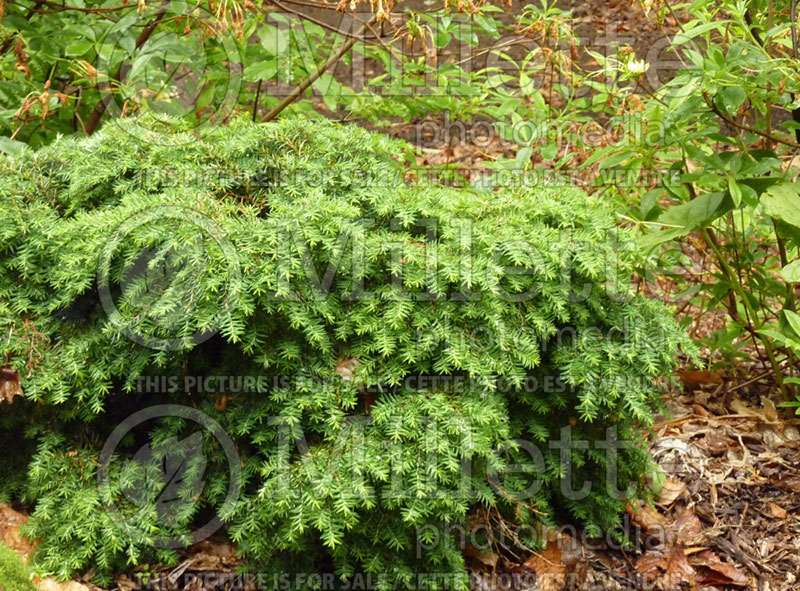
(636, 67)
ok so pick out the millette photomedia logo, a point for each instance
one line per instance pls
(168, 277)
(152, 494)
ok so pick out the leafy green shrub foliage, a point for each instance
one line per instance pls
(401, 337)
(14, 575)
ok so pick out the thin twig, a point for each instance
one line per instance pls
(725, 268)
(292, 96)
(314, 20)
(747, 128)
(255, 102)
(102, 104)
(752, 380)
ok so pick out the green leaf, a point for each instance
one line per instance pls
(488, 24)
(749, 194)
(780, 338)
(206, 96)
(791, 272)
(732, 98)
(78, 48)
(759, 184)
(711, 161)
(262, 70)
(273, 39)
(442, 40)
(695, 213)
(735, 191)
(783, 202)
(794, 321)
(656, 237)
(330, 89)
(597, 156)
(524, 157)
(691, 33)
(549, 151)
(687, 217)
(789, 231)
(614, 160)
(11, 147)
(657, 476)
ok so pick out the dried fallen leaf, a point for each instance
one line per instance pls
(791, 433)
(777, 511)
(740, 407)
(9, 384)
(672, 490)
(791, 483)
(125, 584)
(667, 444)
(770, 410)
(666, 569)
(210, 555)
(716, 572)
(716, 444)
(692, 380)
(345, 367)
(687, 525)
(646, 517)
(768, 414)
(488, 559)
(549, 567)
(694, 550)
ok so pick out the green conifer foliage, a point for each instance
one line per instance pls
(402, 338)
(14, 575)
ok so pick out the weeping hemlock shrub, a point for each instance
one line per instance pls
(375, 349)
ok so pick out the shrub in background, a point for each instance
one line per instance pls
(710, 154)
(297, 253)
